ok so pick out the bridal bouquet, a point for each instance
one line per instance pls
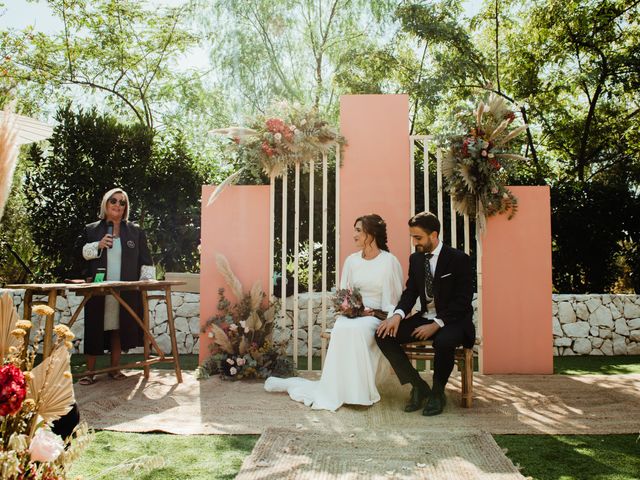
(31, 398)
(348, 302)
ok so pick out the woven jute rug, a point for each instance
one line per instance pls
(519, 404)
(287, 454)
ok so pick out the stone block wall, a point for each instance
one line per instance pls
(582, 324)
(596, 325)
(186, 314)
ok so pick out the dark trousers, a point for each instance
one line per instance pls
(445, 341)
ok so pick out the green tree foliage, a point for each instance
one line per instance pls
(571, 67)
(269, 51)
(91, 154)
(120, 51)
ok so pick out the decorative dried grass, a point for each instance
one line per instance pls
(50, 388)
(225, 269)
(230, 180)
(510, 156)
(514, 133)
(253, 321)
(256, 296)
(8, 319)
(8, 155)
(221, 338)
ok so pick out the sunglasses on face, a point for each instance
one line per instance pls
(113, 201)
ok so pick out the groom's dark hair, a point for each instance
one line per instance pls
(427, 221)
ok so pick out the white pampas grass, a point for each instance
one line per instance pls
(238, 132)
(231, 179)
(225, 269)
(514, 133)
(256, 295)
(8, 155)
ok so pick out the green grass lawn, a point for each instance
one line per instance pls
(122, 456)
(574, 457)
(542, 457)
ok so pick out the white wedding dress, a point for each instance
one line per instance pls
(351, 363)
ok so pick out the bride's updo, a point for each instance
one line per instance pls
(375, 226)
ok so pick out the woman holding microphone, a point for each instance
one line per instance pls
(119, 247)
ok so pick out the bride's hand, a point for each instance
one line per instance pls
(389, 327)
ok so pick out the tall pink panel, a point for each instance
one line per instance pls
(236, 225)
(516, 293)
(375, 176)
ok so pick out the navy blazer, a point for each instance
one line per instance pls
(452, 287)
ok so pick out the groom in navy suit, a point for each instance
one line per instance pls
(441, 277)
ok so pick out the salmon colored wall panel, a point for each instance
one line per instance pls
(236, 225)
(375, 173)
(516, 298)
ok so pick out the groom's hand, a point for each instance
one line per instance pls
(389, 327)
(424, 332)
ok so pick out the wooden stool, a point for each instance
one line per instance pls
(423, 350)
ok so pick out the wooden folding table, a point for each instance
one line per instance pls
(88, 290)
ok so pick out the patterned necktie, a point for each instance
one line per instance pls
(428, 277)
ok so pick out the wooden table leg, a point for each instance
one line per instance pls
(145, 340)
(48, 326)
(172, 334)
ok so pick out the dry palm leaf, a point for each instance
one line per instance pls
(8, 155)
(221, 338)
(51, 386)
(256, 296)
(8, 319)
(225, 269)
(253, 322)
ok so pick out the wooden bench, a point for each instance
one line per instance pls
(424, 351)
(464, 358)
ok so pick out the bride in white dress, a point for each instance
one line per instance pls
(351, 363)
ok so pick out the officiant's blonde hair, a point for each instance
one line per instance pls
(103, 205)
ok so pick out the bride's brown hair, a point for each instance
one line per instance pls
(375, 226)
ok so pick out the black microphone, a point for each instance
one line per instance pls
(110, 230)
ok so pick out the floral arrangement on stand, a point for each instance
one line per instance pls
(31, 398)
(242, 334)
(290, 135)
(476, 163)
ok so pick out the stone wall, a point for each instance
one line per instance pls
(596, 325)
(582, 324)
(186, 313)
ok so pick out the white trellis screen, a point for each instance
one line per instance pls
(424, 198)
(290, 207)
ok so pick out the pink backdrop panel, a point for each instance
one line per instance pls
(375, 175)
(236, 225)
(516, 298)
